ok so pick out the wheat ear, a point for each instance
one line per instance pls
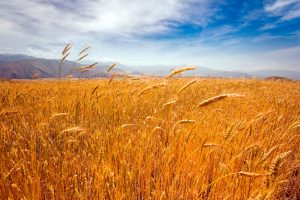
(178, 71)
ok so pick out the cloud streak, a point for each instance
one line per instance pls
(117, 17)
(202, 32)
(286, 9)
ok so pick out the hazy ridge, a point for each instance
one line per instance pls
(19, 66)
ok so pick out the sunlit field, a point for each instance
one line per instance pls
(150, 138)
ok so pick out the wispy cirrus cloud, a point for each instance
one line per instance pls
(117, 17)
(99, 22)
(286, 9)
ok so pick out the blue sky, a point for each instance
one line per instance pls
(240, 35)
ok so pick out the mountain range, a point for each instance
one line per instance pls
(19, 66)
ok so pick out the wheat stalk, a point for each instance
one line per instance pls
(82, 57)
(12, 169)
(132, 125)
(168, 103)
(85, 70)
(252, 174)
(295, 126)
(66, 49)
(277, 161)
(73, 129)
(229, 132)
(112, 77)
(266, 155)
(185, 86)
(112, 66)
(65, 54)
(217, 98)
(82, 51)
(181, 70)
(57, 115)
(159, 128)
(209, 145)
(86, 67)
(152, 87)
(94, 90)
(186, 121)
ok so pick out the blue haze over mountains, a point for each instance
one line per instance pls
(19, 66)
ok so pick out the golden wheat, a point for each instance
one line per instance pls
(251, 174)
(155, 86)
(89, 139)
(84, 50)
(82, 57)
(64, 57)
(217, 98)
(181, 70)
(186, 85)
(66, 49)
(169, 103)
(112, 66)
(277, 161)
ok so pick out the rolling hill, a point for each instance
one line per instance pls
(18, 66)
(25, 67)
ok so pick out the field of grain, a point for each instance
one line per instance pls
(150, 138)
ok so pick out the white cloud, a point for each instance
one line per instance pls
(106, 24)
(292, 14)
(119, 30)
(268, 27)
(279, 5)
(117, 17)
(286, 9)
(265, 37)
(6, 25)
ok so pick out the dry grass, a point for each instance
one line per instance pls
(140, 139)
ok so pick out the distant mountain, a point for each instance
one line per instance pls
(295, 75)
(26, 67)
(205, 72)
(18, 66)
(208, 72)
(14, 57)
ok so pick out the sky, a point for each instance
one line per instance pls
(244, 35)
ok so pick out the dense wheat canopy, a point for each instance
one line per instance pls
(148, 138)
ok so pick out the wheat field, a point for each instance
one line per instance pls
(150, 138)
